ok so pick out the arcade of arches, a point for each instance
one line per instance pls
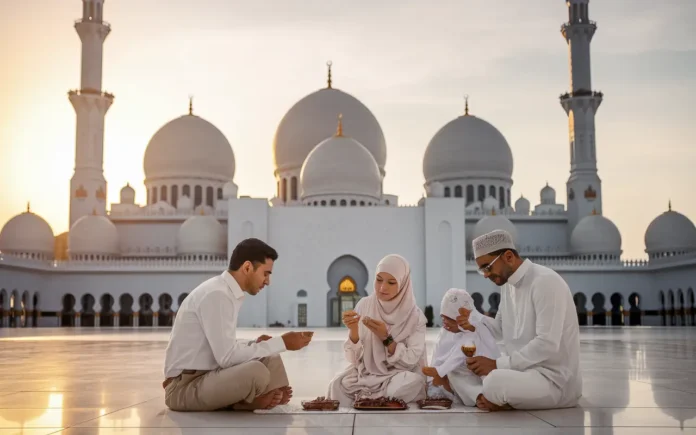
(18, 310)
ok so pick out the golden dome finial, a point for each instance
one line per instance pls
(190, 104)
(339, 129)
(669, 205)
(466, 105)
(328, 81)
(28, 207)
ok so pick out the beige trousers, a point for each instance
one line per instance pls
(220, 388)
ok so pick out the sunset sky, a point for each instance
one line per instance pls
(410, 62)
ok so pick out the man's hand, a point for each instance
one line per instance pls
(378, 328)
(463, 320)
(449, 324)
(263, 338)
(481, 365)
(297, 340)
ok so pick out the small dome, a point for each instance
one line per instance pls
(201, 234)
(670, 232)
(229, 190)
(522, 205)
(189, 147)
(495, 222)
(312, 119)
(490, 204)
(93, 235)
(548, 195)
(127, 194)
(340, 165)
(595, 234)
(467, 147)
(436, 190)
(27, 233)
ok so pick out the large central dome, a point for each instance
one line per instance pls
(189, 147)
(467, 147)
(312, 119)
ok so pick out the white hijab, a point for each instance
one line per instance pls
(447, 354)
(401, 315)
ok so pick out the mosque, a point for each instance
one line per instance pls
(129, 264)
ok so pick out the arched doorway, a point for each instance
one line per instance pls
(494, 303)
(691, 314)
(580, 301)
(347, 277)
(35, 312)
(125, 312)
(634, 312)
(87, 315)
(145, 314)
(165, 315)
(23, 307)
(3, 298)
(617, 317)
(106, 315)
(681, 318)
(663, 312)
(599, 316)
(67, 315)
(670, 309)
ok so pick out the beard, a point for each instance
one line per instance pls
(502, 278)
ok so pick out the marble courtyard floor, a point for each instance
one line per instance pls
(101, 381)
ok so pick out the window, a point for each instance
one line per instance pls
(197, 196)
(343, 203)
(481, 192)
(175, 195)
(293, 188)
(284, 190)
(347, 285)
(447, 192)
(209, 200)
(470, 194)
(458, 192)
(186, 190)
(154, 195)
(163, 193)
(219, 193)
(302, 315)
(501, 198)
(491, 191)
(333, 202)
(353, 202)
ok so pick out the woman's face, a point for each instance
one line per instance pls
(386, 286)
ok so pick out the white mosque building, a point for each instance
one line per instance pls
(127, 264)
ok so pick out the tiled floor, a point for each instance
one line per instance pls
(94, 381)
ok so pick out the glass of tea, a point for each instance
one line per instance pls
(469, 348)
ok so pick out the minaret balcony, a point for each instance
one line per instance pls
(581, 93)
(93, 21)
(88, 91)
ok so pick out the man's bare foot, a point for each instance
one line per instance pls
(485, 404)
(287, 395)
(264, 401)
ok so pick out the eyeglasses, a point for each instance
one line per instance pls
(487, 268)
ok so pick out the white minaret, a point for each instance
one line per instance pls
(88, 186)
(584, 188)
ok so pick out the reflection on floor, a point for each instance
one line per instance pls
(101, 381)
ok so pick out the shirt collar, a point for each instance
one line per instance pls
(521, 271)
(233, 285)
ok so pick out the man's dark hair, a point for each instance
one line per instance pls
(253, 250)
(500, 251)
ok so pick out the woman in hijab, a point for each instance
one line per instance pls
(386, 340)
(451, 377)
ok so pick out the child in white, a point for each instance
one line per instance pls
(448, 356)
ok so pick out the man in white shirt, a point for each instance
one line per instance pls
(538, 326)
(206, 367)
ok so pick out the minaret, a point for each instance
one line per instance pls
(581, 103)
(88, 186)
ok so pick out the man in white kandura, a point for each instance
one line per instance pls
(537, 323)
(206, 367)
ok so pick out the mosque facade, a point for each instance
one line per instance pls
(128, 264)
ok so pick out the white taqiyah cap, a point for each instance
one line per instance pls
(491, 242)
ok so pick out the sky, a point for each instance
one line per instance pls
(246, 62)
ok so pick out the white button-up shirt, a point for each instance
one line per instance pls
(538, 325)
(204, 335)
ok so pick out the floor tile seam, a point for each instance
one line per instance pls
(103, 415)
(537, 417)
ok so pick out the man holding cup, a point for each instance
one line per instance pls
(206, 367)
